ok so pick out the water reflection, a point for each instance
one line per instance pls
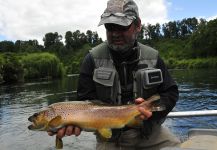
(198, 91)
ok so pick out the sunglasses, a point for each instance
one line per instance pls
(117, 15)
(115, 27)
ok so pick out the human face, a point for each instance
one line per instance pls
(121, 38)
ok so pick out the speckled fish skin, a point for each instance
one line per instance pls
(88, 116)
(92, 117)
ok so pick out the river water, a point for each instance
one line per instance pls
(198, 91)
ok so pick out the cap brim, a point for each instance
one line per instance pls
(123, 21)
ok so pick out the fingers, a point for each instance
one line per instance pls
(145, 114)
(61, 132)
(50, 133)
(139, 100)
(77, 131)
(69, 130)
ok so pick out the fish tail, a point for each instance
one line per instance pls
(149, 104)
(153, 98)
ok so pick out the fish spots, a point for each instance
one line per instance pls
(46, 113)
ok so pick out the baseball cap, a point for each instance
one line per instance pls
(121, 12)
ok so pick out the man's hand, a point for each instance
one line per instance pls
(68, 130)
(145, 114)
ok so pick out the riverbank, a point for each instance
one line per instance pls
(196, 63)
(18, 67)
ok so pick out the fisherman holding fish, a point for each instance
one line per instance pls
(123, 71)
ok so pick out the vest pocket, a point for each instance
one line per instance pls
(106, 87)
(142, 86)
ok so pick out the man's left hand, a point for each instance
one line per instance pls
(145, 114)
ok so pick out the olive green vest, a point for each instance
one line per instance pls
(107, 81)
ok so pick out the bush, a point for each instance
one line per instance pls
(42, 65)
(12, 70)
(197, 63)
(1, 67)
(75, 60)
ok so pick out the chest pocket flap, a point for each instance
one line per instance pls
(104, 76)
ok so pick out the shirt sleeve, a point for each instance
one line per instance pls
(86, 87)
(168, 91)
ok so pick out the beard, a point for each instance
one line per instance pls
(124, 47)
(121, 48)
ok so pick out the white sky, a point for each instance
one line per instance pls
(32, 19)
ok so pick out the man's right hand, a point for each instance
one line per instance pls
(68, 130)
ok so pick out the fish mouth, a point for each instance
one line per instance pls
(36, 127)
(31, 127)
(31, 119)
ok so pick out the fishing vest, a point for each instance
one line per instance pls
(106, 78)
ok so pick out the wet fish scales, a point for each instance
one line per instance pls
(88, 116)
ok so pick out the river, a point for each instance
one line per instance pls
(198, 91)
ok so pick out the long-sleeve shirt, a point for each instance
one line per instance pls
(168, 90)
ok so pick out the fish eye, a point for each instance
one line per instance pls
(35, 115)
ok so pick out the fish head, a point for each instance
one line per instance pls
(39, 121)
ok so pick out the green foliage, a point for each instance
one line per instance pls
(41, 65)
(6, 46)
(204, 41)
(2, 61)
(12, 69)
(52, 39)
(28, 46)
(172, 48)
(192, 63)
(69, 40)
(189, 43)
(75, 60)
(76, 40)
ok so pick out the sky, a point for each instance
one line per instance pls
(32, 19)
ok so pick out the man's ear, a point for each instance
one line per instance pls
(139, 25)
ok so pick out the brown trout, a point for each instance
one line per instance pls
(89, 116)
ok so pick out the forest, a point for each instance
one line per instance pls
(189, 43)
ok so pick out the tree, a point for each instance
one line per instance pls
(95, 38)
(68, 40)
(141, 33)
(165, 30)
(83, 38)
(52, 39)
(183, 29)
(204, 40)
(28, 46)
(12, 69)
(89, 35)
(7, 46)
(152, 32)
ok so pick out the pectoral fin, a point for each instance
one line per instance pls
(55, 123)
(105, 132)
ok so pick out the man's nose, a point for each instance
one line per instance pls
(116, 33)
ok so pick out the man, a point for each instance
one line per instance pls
(111, 72)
